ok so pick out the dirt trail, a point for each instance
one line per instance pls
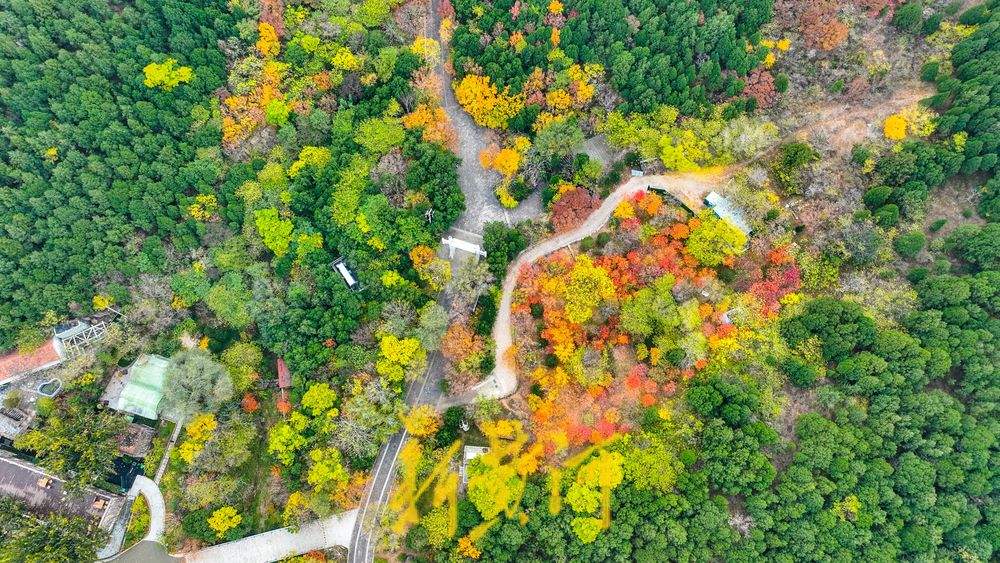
(844, 125)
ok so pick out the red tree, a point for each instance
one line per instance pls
(760, 86)
(820, 25)
(572, 209)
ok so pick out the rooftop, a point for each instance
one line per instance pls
(726, 209)
(143, 388)
(16, 364)
(284, 377)
(44, 493)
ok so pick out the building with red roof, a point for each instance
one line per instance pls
(284, 378)
(16, 365)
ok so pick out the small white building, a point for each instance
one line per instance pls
(347, 274)
(458, 244)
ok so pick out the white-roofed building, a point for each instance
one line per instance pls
(726, 209)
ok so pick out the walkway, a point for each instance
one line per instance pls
(690, 189)
(157, 508)
(157, 516)
(178, 425)
(280, 544)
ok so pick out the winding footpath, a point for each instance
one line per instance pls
(690, 189)
(157, 518)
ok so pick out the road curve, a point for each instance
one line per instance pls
(689, 188)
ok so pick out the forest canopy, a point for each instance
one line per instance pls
(655, 52)
(97, 166)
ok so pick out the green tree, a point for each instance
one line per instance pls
(55, 538)
(194, 382)
(229, 299)
(78, 443)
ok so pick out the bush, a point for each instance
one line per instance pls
(487, 315)
(603, 238)
(781, 83)
(917, 275)
(451, 420)
(487, 364)
(887, 216)
(675, 356)
(929, 72)
(726, 274)
(195, 525)
(908, 17)
(860, 154)
(931, 24)
(952, 8)
(519, 189)
(936, 225)
(877, 196)
(792, 158)
(800, 373)
(537, 310)
(975, 15)
(909, 244)
(45, 406)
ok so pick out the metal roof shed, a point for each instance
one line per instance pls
(144, 389)
(726, 209)
(346, 273)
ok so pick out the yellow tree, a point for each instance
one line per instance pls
(588, 286)
(422, 421)
(487, 106)
(166, 75)
(223, 520)
(894, 127)
(267, 41)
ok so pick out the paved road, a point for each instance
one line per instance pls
(481, 205)
(688, 188)
(157, 516)
(363, 541)
(146, 552)
(280, 544)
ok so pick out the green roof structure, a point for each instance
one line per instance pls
(144, 387)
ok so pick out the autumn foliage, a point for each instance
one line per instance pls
(572, 208)
(488, 106)
(820, 26)
(623, 325)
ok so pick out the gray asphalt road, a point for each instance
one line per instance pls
(481, 205)
(146, 552)
(363, 540)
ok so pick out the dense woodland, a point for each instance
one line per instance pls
(821, 388)
(97, 168)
